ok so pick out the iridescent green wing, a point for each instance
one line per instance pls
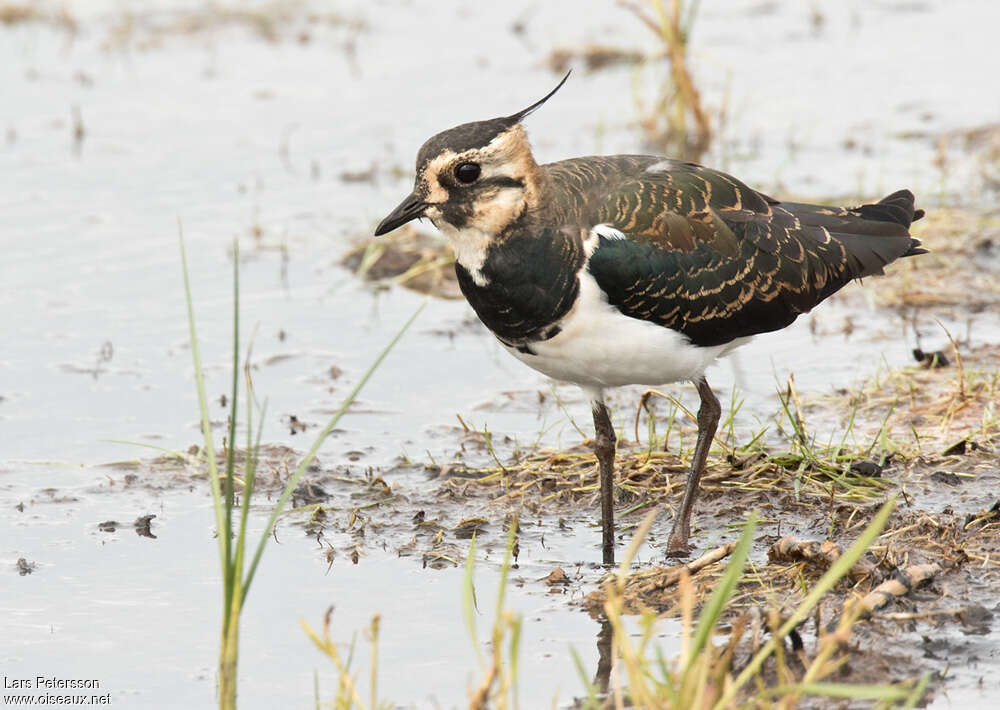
(708, 256)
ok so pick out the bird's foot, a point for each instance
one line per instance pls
(677, 543)
(677, 551)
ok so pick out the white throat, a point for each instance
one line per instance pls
(470, 246)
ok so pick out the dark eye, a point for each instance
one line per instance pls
(467, 172)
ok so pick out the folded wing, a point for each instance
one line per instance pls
(706, 255)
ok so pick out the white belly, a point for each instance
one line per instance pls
(600, 347)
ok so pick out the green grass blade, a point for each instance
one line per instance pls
(712, 611)
(917, 693)
(590, 702)
(231, 578)
(469, 598)
(841, 690)
(206, 424)
(505, 568)
(373, 673)
(304, 464)
(249, 480)
(516, 626)
(171, 452)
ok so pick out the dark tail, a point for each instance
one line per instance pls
(897, 208)
(871, 235)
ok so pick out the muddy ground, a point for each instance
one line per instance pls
(938, 452)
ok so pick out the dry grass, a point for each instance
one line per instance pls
(594, 57)
(744, 670)
(982, 145)
(674, 121)
(269, 21)
(930, 409)
(15, 13)
(677, 123)
(411, 258)
(913, 538)
(961, 272)
(897, 428)
(552, 480)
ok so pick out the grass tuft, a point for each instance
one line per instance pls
(236, 579)
(677, 123)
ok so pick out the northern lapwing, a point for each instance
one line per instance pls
(632, 269)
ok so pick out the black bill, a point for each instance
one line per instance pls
(409, 209)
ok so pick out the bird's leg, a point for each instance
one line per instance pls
(708, 421)
(605, 638)
(604, 448)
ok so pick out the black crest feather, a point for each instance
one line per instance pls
(524, 113)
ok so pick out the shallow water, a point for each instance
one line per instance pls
(239, 137)
(141, 615)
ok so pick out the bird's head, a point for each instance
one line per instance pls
(479, 175)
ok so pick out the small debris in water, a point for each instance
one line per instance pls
(946, 477)
(378, 482)
(367, 175)
(959, 448)
(824, 554)
(143, 526)
(903, 583)
(24, 567)
(468, 527)
(934, 359)
(975, 619)
(983, 518)
(557, 577)
(295, 426)
(866, 468)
